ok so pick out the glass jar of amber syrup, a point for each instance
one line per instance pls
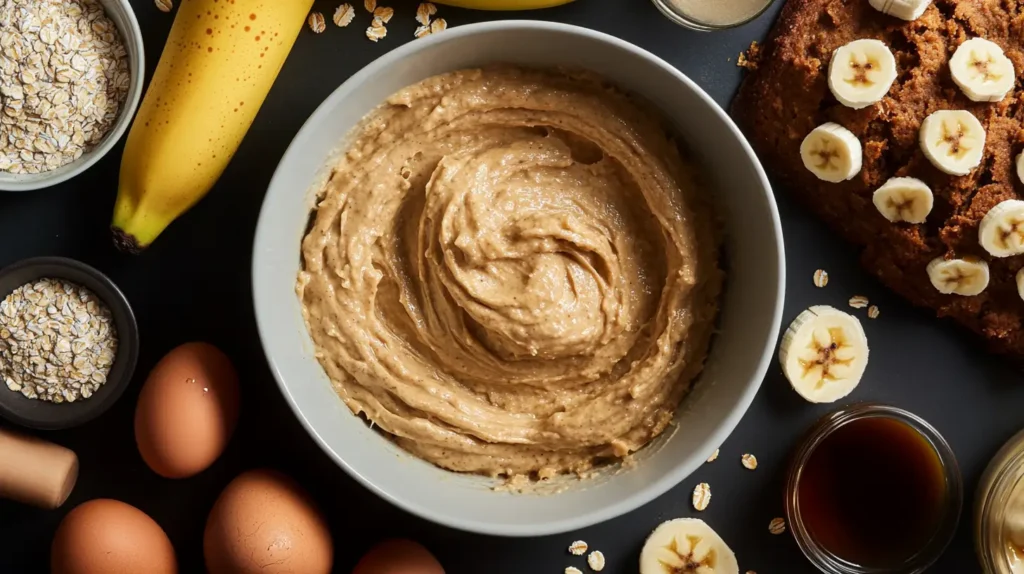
(873, 489)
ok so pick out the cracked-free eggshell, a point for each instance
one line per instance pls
(265, 523)
(398, 557)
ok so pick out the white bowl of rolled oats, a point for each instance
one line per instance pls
(71, 76)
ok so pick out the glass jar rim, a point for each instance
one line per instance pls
(687, 21)
(828, 562)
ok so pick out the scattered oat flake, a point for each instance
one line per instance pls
(164, 5)
(873, 312)
(317, 23)
(858, 301)
(370, 5)
(376, 31)
(777, 526)
(384, 14)
(714, 456)
(344, 15)
(572, 570)
(749, 461)
(701, 496)
(424, 12)
(596, 561)
(820, 278)
(438, 25)
(421, 31)
(578, 548)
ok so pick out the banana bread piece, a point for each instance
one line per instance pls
(788, 95)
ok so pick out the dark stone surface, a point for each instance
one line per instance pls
(194, 284)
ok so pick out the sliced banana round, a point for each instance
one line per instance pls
(1001, 232)
(861, 73)
(1020, 291)
(968, 276)
(904, 199)
(953, 140)
(687, 546)
(982, 70)
(832, 153)
(1020, 167)
(824, 353)
(903, 9)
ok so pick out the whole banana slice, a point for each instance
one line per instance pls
(861, 73)
(824, 353)
(1020, 283)
(982, 70)
(1001, 232)
(903, 9)
(953, 140)
(832, 153)
(968, 276)
(686, 546)
(904, 199)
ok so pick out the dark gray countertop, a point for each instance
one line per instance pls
(194, 284)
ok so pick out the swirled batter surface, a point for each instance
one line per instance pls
(512, 272)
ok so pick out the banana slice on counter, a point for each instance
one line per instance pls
(832, 153)
(687, 546)
(1001, 232)
(982, 70)
(953, 140)
(904, 199)
(824, 353)
(903, 9)
(861, 73)
(968, 276)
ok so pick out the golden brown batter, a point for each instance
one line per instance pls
(511, 272)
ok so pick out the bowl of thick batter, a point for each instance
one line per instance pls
(519, 278)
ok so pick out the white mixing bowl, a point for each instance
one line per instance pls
(740, 354)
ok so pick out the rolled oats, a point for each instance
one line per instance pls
(858, 301)
(421, 31)
(820, 278)
(777, 526)
(873, 312)
(423, 13)
(596, 561)
(63, 79)
(370, 5)
(57, 341)
(438, 25)
(376, 31)
(383, 13)
(164, 5)
(317, 23)
(578, 548)
(344, 15)
(572, 570)
(714, 456)
(701, 496)
(749, 461)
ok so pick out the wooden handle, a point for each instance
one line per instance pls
(34, 471)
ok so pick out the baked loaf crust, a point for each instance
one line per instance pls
(787, 96)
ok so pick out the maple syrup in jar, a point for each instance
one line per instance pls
(873, 489)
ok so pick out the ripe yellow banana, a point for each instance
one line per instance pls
(216, 69)
(504, 4)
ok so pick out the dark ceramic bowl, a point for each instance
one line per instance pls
(45, 415)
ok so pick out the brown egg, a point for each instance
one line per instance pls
(265, 523)
(398, 557)
(187, 410)
(109, 537)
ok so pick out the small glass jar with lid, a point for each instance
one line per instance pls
(710, 15)
(999, 511)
